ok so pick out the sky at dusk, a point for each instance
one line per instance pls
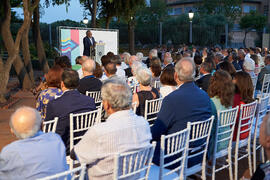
(56, 13)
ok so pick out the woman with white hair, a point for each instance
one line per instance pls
(144, 77)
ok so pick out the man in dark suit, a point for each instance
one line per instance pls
(264, 71)
(205, 71)
(88, 42)
(89, 82)
(168, 62)
(72, 101)
(186, 104)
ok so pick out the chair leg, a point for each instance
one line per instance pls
(230, 164)
(254, 155)
(236, 163)
(249, 160)
(262, 154)
(214, 168)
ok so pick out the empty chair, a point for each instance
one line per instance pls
(223, 141)
(197, 148)
(79, 124)
(152, 108)
(50, 126)
(261, 112)
(243, 137)
(157, 84)
(172, 147)
(77, 173)
(96, 95)
(134, 165)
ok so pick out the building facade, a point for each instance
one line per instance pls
(178, 7)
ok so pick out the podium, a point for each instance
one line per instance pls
(100, 51)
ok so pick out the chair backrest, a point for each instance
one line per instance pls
(134, 107)
(81, 122)
(224, 131)
(247, 113)
(254, 81)
(135, 164)
(152, 108)
(50, 126)
(198, 142)
(173, 146)
(261, 112)
(266, 84)
(96, 95)
(76, 173)
(157, 84)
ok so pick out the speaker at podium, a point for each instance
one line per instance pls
(100, 51)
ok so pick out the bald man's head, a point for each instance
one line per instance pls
(185, 70)
(25, 122)
(89, 66)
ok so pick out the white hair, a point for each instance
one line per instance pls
(144, 76)
(136, 65)
(89, 65)
(34, 129)
(168, 59)
(139, 56)
(185, 73)
(153, 53)
(117, 93)
(126, 57)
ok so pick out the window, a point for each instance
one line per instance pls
(248, 9)
(177, 11)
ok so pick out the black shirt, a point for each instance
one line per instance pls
(89, 83)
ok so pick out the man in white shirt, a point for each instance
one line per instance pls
(123, 131)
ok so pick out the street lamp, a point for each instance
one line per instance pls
(190, 15)
(85, 21)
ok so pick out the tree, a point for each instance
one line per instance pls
(91, 6)
(108, 11)
(252, 21)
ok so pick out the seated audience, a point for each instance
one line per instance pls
(72, 101)
(53, 90)
(226, 66)
(98, 71)
(178, 107)
(205, 72)
(265, 70)
(63, 62)
(249, 67)
(131, 60)
(139, 56)
(198, 62)
(122, 132)
(155, 67)
(125, 60)
(117, 61)
(168, 62)
(167, 81)
(110, 71)
(146, 92)
(210, 59)
(221, 92)
(89, 82)
(218, 58)
(152, 53)
(241, 57)
(232, 58)
(243, 95)
(35, 154)
(78, 67)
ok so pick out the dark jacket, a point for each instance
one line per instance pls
(89, 83)
(203, 82)
(87, 44)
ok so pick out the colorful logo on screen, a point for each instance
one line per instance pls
(67, 45)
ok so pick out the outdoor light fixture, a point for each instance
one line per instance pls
(85, 21)
(190, 15)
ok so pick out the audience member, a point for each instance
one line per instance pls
(63, 62)
(125, 58)
(249, 67)
(53, 90)
(226, 66)
(243, 95)
(128, 71)
(110, 71)
(122, 132)
(179, 106)
(144, 76)
(89, 82)
(205, 72)
(78, 67)
(70, 102)
(241, 57)
(155, 67)
(210, 59)
(167, 81)
(232, 58)
(139, 56)
(218, 58)
(98, 71)
(153, 53)
(265, 70)
(35, 154)
(117, 61)
(105, 60)
(168, 62)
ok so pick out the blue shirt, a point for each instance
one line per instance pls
(36, 157)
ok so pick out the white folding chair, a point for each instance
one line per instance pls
(79, 124)
(243, 139)
(254, 82)
(96, 95)
(50, 126)
(223, 141)
(198, 145)
(134, 107)
(157, 84)
(261, 112)
(152, 108)
(171, 146)
(265, 85)
(76, 173)
(134, 165)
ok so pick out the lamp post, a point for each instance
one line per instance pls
(85, 21)
(190, 15)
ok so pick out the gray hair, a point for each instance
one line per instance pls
(139, 56)
(168, 59)
(219, 56)
(126, 57)
(135, 66)
(117, 93)
(144, 76)
(153, 53)
(89, 65)
(185, 72)
(34, 129)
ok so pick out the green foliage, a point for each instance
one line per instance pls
(253, 20)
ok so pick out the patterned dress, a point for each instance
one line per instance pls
(44, 98)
